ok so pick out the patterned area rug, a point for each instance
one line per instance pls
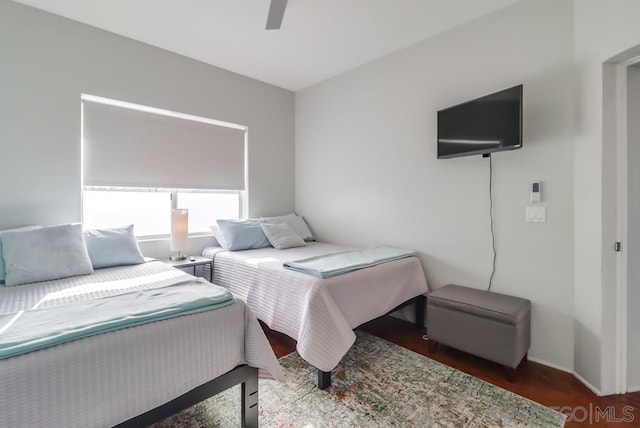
(377, 384)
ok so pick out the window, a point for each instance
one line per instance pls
(206, 207)
(147, 209)
(150, 209)
(138, 162)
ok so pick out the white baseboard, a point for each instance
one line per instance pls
(633, 388)
(588, 385)
(592, 388)
(548, 364)
(576, 375)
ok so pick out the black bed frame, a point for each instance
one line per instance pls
(324, 378)
(245, 375)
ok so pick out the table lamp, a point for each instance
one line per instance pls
(179, 232)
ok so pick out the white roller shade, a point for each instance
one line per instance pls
(130, 148)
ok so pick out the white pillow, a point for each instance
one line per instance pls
(217, 233)
(45, 254)
(282, 236)
(115, 246)
(296, 222)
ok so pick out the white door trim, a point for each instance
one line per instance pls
(622, 186)
(621, 229)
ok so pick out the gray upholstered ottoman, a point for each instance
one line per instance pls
(490, 325)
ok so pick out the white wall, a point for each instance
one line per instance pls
(48, 61)
(633, 279)
(367, 173)
(602, 31)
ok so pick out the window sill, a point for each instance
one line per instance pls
(168, 237)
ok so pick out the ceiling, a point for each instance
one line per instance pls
(318, 39)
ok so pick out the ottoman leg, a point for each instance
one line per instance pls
(433, 346)
(512, 373)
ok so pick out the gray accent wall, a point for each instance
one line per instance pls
(367, 173)
(46, 62)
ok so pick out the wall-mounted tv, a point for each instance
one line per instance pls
(481, 126)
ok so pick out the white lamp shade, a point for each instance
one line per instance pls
(179, 229)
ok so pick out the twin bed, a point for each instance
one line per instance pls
(132, 376)
(320, 314)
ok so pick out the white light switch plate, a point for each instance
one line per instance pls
(536, 214)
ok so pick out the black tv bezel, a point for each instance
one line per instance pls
(484, 152)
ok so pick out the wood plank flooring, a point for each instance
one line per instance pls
(537, 382)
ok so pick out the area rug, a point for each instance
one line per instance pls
(377, 384)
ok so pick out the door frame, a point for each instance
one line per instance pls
(622, 218)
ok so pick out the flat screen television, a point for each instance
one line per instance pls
(481, 126)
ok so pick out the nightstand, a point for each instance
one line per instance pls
(186, 263)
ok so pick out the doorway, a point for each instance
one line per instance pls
(631, 73)
(621, 289)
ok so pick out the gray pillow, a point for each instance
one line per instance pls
(243, 234)
(44, 254)
(296, 222)
(282, 236)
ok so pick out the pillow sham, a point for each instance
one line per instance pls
(243, 234)
(296, 222)
(282, 236)
(3, 272)
(45, 254)
(217, 233)
(113, 247)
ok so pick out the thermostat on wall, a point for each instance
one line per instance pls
(536, 192)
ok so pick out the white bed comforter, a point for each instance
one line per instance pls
(319, 313)
(106, 379)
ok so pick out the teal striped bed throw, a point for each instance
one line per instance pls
(329, 265)
(34, 329)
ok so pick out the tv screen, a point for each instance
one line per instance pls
(481, 126)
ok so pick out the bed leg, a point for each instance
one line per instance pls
(250, 401)
(420, 307)
(324, 379)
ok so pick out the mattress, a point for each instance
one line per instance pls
(319, 313)
(106, 379)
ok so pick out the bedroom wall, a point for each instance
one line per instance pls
(367, 173)
(48, 61)
(603, 30)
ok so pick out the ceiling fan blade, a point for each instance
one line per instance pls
(276, 13)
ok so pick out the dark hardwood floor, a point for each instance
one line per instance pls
(537, 382)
